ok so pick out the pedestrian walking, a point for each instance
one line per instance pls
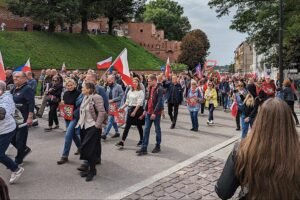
(134, 102)
(211, 103)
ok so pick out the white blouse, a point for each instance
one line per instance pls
(135, 98)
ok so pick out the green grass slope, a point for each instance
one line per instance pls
(76, 50)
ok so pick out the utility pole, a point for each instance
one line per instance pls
(281, 23)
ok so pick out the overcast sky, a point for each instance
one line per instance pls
(223, 41)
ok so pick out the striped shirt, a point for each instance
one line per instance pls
(8, 124)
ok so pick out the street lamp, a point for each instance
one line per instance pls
(281, 24)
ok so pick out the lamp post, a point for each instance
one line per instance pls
(281, 24)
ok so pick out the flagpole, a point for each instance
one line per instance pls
(113, 63)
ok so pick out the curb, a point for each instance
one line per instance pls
(132, 189)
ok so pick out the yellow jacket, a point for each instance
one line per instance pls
(211, 94)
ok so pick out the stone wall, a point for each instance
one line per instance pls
(14, 22)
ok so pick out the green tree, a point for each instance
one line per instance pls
(89, 9)
(167, 15)
(194, 49)
(118, 10)
(260, 19)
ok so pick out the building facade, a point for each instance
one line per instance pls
(243, 59)
(14, 22)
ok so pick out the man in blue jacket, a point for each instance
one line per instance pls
(225, 89)
(174, 98)
(23, 96)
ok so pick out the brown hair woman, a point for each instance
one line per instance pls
(266, 163)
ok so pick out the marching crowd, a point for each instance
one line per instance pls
(95, 103)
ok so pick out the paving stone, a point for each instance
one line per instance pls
(177, 195)
(179, 185)
(150, 196)
(174, 175)
(170, 189)
(158, 188)
(202, 175)
(187, 190)
(175, 180)
(195, 195)
(153, 185)
(208, 197)
(203, 182)
(158, 194)
(181, 172)
(167, 184)
(204, 192)
(210, 188)
(166, 179)
(144, 191)
(132, 197)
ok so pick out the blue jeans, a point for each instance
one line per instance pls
(5, 140)
(224, 100)
(245, 125)
(72, 133)
(111, 122)
(148, 124)
(194, 118)
(211, 109)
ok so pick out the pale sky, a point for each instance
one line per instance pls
(223, 41)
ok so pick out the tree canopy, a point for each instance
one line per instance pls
(167, 15)
(194, 49)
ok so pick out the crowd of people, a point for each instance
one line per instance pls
(94, 100)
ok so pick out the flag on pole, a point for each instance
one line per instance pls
(168, 69)
(121, 66)
(2, 70)
(199, 71)
(105, 64)
(24, 68)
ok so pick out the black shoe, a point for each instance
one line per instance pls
(103, 137)
(48, 129)
(141, 152)
(172, 126)
(34, 124)
(238, 129)
(98, 162)
(156, 149)
(27, 152)
(84, 173)
(83, 168)
(195, 130)
(90, 176)
(120, 144)
(63, 160)
(139, 143)
(192, 129)
(115, 135)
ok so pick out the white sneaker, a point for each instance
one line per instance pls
(211, 122)
(208, 122)
(16, 175)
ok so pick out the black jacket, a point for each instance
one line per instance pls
(157, 99)
(174, 93)
(228, 182)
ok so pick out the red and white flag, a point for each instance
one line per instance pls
(168, 69)
(105, 64)
(2, 70)
(121, 66)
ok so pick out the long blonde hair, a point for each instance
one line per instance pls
(268, 160)
(249, 100)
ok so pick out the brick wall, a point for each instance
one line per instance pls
(13, 22)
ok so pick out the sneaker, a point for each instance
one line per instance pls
(103, 137)
(48, 129)
(56, 127)
(192, 129)
(120, 144)
(62, 160)
(172, 126)
(211, 122)
(27, 152)
(139, 143)
(77, 152)
(207, 122)
(156, 149)
(16, 175)
(83, 168)
(195, 130)
(141, 152)
(84, 173)
(238, 129)
(115, 135)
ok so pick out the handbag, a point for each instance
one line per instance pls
(67, 111)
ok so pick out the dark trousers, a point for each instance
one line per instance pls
(127, 127)
(291, 105)
(202, 107)
(238, 120)
(53, 114)
(173, 115)
(224, 100)
(211, 109)
(19, 142)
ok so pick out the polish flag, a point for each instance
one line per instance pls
(168, 69)
(2, 70)
(105, 64)
(121, 66)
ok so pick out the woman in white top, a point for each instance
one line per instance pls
(134, 101)
(7, 131)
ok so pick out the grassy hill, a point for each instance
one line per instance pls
(76, 50)
(2, 2)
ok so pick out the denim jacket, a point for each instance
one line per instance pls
(117, 93)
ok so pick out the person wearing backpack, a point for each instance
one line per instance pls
(289, 97)
(194, 98)
(7, 132)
